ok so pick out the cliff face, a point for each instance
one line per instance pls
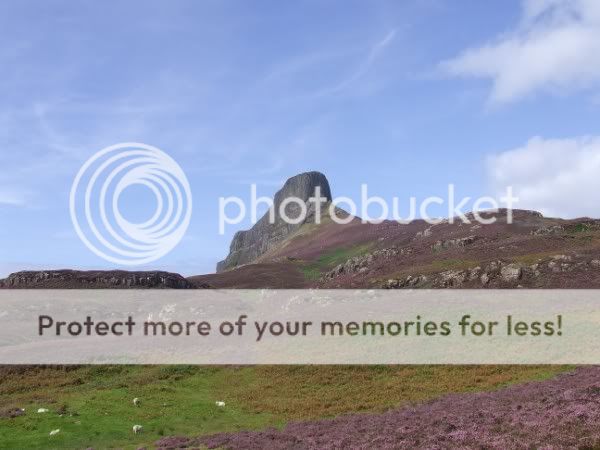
(75, 279)
(248, 245)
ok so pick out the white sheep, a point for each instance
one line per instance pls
(42, 410)
(220, 404)
(137, 429)
(53, 432)
(136, 401)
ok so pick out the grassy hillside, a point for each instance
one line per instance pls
(92, 406)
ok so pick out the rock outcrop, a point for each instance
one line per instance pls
(452, 243)
(116, 279)
(496, 274)
(248, 245)
(362, 263)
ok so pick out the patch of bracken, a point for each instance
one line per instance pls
(11, 413)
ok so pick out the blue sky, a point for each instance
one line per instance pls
(406, 96)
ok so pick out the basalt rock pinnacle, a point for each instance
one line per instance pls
(248, 245)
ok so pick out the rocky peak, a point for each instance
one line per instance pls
(248, 245)
(303, 186)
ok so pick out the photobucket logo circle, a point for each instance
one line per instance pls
(98, 187)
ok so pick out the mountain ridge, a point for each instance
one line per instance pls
(533, 251)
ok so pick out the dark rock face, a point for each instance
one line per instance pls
(74, 279)
(264, 235)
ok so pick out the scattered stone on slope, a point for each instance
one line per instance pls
(573, 227)
(511, 272)
(452, 278)
(484, 279)
(499, 272)
(425, 233)
(453, 243)
(408, 282)
(361, 264)
(560, 263)
(543, 231)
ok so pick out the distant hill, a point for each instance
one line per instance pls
(115, 279)
(533, 252)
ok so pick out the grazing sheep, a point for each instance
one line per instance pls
(42, 410)
(136, 401)
(53, 432)
(137, 429)
(220, 404)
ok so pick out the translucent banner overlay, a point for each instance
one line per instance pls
(299, 327)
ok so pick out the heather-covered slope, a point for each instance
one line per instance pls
(559, 413)
(390, 254)
(533, 252)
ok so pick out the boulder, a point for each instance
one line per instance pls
(452, 243)
(453, 278)
(484, 278)
(511, 272)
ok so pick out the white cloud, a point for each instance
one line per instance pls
(555, 47)
(343, 68)
(11, 197)
(374, 52)
(558, 177)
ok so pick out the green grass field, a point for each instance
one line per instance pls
(92, 406)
